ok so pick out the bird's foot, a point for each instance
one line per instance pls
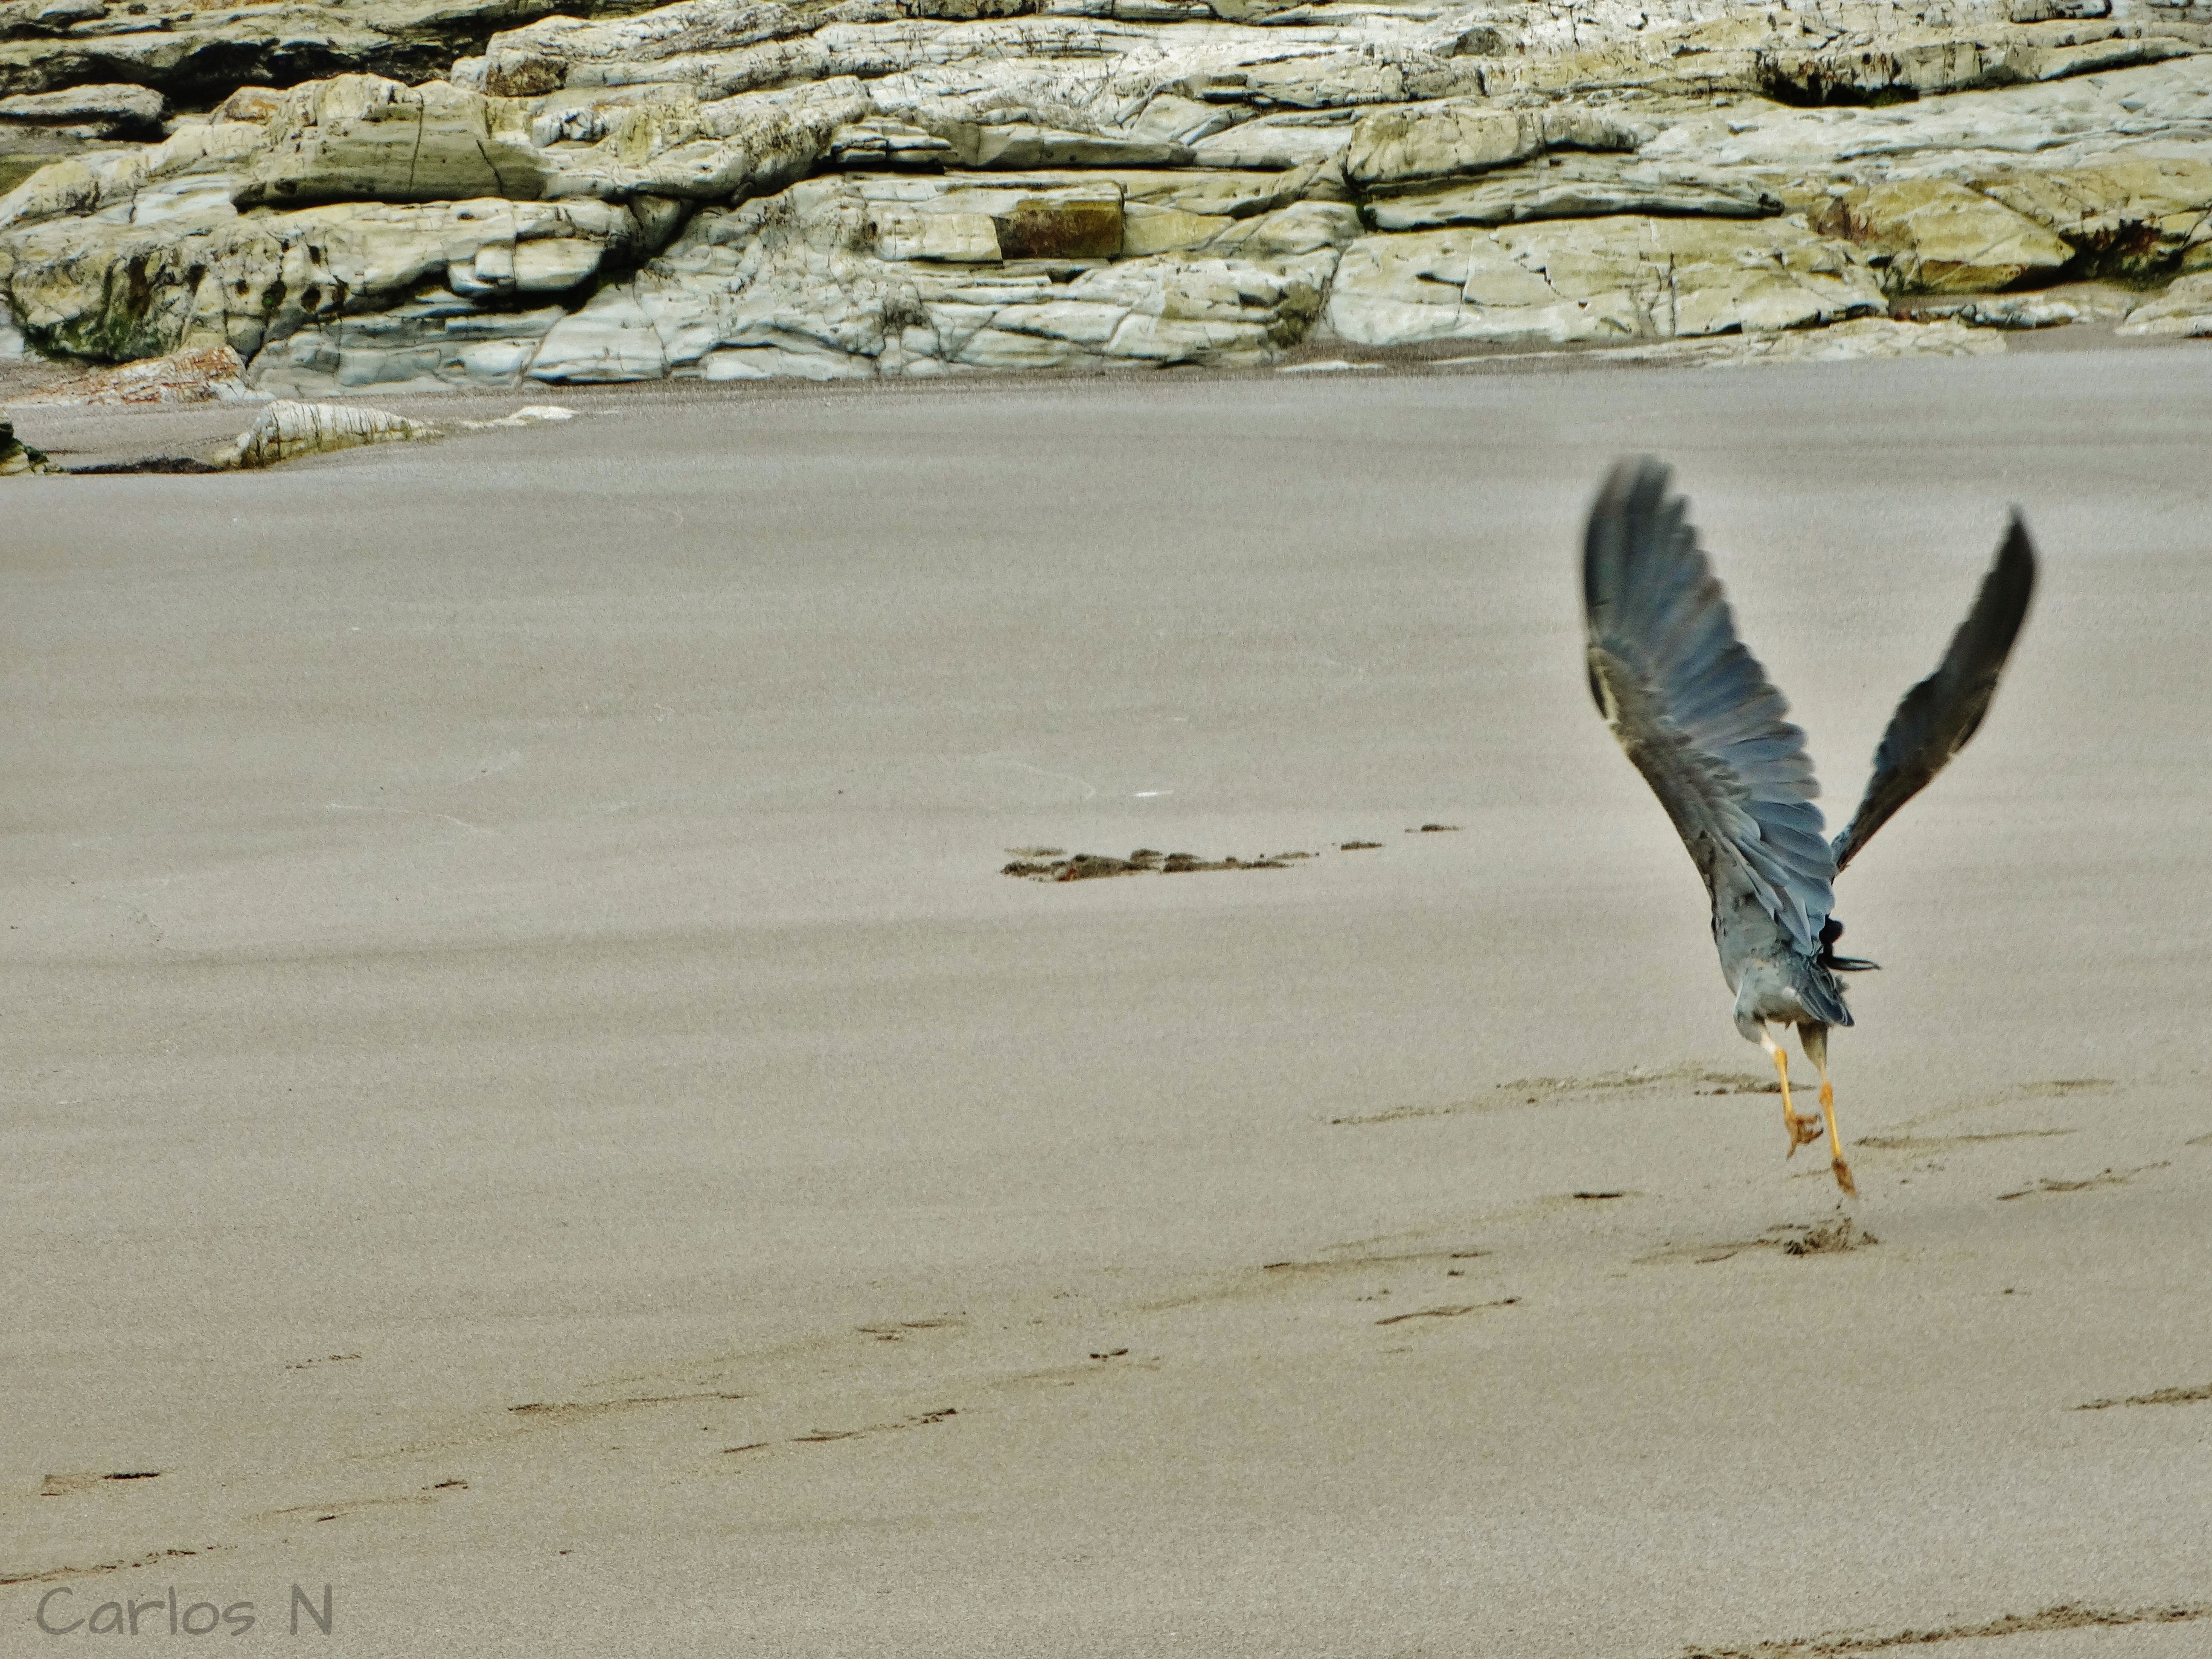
(1804, 1131)
(1842, 1170)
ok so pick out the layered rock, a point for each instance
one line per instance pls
(358, 138)
(2134, 214)
(1579, 187)
(2183, 311)
(842, 278)
(37, 129)
(196, 55)
(286, 430)
(85, 112)
(1859, 340)
(738, 189)
(1932, 236)
(200, 374)
(1394, 150)
(1596, 280)
(119, 289)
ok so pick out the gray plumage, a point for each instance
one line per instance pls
(1697, 714)
(1943, 711)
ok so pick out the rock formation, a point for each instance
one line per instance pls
(739, 189)
(285, 430)
(18, 457)
(197, 375)
(196, 54)
(2184, 310)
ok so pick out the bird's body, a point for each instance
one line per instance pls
(1694, 711)
(1772, 979)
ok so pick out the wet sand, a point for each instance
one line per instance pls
(530, 1102)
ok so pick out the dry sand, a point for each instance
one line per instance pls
(530, 1102)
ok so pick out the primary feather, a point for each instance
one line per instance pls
(1694, 710)
(1938, 715)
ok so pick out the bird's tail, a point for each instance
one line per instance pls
(1817, 986)
(1822, 994)
(1831, 931)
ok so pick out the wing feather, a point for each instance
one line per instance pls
(1692, 708)
(1938, 715)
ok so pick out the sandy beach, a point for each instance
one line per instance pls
(530, 1103)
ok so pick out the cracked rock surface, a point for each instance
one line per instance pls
(195, 54)
(742, 190)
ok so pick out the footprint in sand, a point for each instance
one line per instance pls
(2189, 1396)
(2066, 1615)
(1546, 1090)
(2104, 1178)
(1825, 1238)
(64, 1485)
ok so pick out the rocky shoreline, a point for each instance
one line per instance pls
(739, 190)
(195, 55)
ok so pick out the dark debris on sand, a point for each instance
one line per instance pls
(179, 464)
(1837, 1235)
(1090, 866)
(1054, 864)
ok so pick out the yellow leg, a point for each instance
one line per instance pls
(1804, 1131)
(1842, 1170)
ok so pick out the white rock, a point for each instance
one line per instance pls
(1855, 341)
(714, 151)
(884, 187)
(551, 265)
(1392, 149)
(612, 338)
(794, 285)
(1288, 233)
(285, 430)
(430, 344)
(1280, 143)
(2059, 123)
(359, 137)
(91, 112)
(120, 290)
(540, 56)
(1149, 229)
(784, 362)
(883, 142)
(190, 51)
(904, 234)
(528, 415)
(1024, 144)
(1597, 280)
(2183, 311)
(105, 180)
(1577, 187)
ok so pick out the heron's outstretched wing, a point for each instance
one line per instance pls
(1940, 714)
(1693, 708)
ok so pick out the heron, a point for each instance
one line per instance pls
(1697, 714)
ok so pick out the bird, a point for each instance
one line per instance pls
(1699, 717)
